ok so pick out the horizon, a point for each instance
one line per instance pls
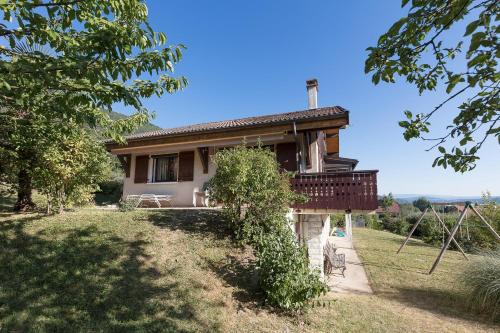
(241, 63)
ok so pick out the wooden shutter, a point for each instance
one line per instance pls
(332, 141)
(125, 160)
(286, 155)
(186, 166)
(141, 169)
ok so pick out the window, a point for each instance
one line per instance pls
(165, 168)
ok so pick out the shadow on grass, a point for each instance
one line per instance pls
(82, 279)
(207, 223)
(237, 271)
(7, 203)
(438, 301)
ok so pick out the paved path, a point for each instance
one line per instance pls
(355, 281)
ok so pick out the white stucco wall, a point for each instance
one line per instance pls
(183, 192)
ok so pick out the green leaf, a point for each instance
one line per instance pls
(471, 27)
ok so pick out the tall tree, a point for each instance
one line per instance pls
(421, 203)
(92, 54)
(418, 48)
(387, 201)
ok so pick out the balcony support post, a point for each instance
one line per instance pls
(348, 226)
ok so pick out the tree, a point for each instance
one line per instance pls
(421, 203)
(387, 201)
(72, 60)
(417, 48)
(256, 198)
(70, 168)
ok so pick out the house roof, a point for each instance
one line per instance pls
(273, 119)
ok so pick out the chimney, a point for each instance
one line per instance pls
(312, 93)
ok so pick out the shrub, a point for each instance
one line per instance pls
(285, 275)
(337, 220)
(110, 191)
(373, 222)
(256, 198)
(128, 205)
(482, 280)
(396, 225)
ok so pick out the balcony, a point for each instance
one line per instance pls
(356, 190)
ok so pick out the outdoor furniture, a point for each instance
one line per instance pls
(333, 260)
(202, 197)
(151, 198)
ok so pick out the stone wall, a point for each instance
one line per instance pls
(315, 230)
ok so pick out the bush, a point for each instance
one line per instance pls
(110, 192)
(373, 222)
(285, 275)
(256, 198)
(337, 220)
(482, 280)
(128, 205)
(397, 225)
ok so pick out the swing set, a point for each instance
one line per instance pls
(451, 234)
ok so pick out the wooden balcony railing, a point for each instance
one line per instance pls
(356, 190)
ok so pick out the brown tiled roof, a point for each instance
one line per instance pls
(273, 119)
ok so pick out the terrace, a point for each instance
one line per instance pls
(343, 191)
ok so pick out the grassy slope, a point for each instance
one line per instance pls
(177, 271)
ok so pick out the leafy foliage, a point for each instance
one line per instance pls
(387, 201)
(128, 205)
(256, 198)
(421, 203)
(70, 62)
(416, 48)
(70, 169)
(96, 52)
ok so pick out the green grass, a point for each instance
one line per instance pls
(178, 271)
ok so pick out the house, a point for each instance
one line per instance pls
(177, 162)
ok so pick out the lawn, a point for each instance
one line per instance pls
(177, 271)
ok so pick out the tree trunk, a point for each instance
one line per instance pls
(24, 200)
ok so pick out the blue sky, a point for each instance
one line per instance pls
(248, 58)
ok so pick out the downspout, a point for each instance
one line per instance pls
(298, 152)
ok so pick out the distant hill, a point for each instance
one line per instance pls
(144, 128)
(409, 198)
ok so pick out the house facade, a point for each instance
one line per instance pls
(177, 162)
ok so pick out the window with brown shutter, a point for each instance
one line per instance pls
(141, 169)
(286, 155)
(186, 166)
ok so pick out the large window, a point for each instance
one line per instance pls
(165, 168)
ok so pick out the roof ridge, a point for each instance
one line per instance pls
(241, 122)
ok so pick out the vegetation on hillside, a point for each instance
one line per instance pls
(256, 198)
(179, 271)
